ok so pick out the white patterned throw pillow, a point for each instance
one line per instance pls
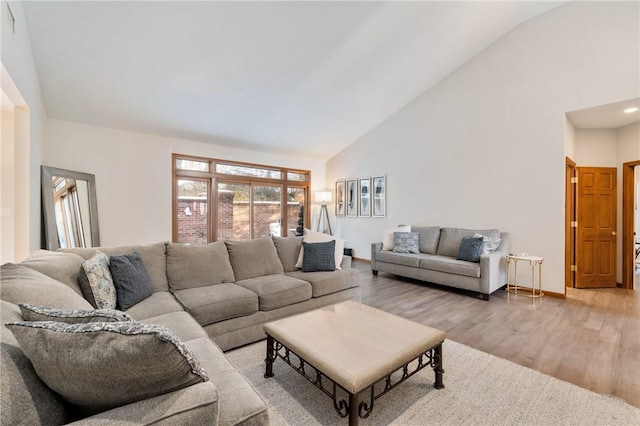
(101, 284)
(387, 235)
(489, 245)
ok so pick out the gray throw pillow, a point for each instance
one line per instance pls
(96, 282)
(131, 279)
(71, 316)
(319, 256)
(406, 242)
(470, 249)
(98, 366)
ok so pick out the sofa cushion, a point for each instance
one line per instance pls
(450, 239)
(239, 402)
(20, 284)
(143, 360)
(288, 251)
(405, 259)
(71, 316)
(131, 279)
(190, 266)
(158, 303)
(217, 302)
(323, 283)
(63, 267)
(253, 258)
(276, 291)
(470, 249)
(26, 400)
(96, 282)
(318, 237)
(319, 256)
(451, 266)
(181, 324)
(387, 236)
(153, 255)
(429, 236)
(405, 242)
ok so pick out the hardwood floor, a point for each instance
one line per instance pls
(591, 338)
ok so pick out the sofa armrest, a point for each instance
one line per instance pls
(493, 266)
(196, 404)
(375, 248)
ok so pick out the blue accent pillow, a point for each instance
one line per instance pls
(131, 279)
(319, 256)
(470, 249)
(406, 242)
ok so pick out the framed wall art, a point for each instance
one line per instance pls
(352, 197)
(379, 192)
(340, 198)
(364, 197)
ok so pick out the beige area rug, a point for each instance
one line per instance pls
(481, 389)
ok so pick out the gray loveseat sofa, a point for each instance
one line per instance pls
(213, 297)
(437, 263)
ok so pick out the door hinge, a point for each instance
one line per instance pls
(574, 223)
(574, 179)
(574, 268)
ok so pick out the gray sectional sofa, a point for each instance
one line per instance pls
(437, 263)
(214, 297)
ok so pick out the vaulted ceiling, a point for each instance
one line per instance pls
(305, 78)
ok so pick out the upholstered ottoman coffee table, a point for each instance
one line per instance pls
(354, 353)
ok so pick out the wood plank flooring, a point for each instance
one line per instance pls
(591, 338)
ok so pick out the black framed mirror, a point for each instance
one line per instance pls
(70, 208)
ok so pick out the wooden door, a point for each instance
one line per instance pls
(596, 240)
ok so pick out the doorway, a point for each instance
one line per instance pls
(630, 216)
(596, 234)
(570, 221)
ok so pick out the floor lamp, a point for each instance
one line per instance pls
(324, 197)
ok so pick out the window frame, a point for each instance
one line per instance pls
(215, 178)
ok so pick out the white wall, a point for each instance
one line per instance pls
(569, 139)
(485, 146)
(596, 148)
(7, 182)
(133, 174)
(19, 72)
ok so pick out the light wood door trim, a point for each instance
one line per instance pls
(569, 231)
(596, 245)
(628, 240)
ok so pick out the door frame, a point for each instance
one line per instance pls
(569, 232)
(628, 259)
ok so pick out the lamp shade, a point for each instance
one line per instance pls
(323, 196)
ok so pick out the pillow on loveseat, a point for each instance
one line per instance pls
(470, 249)
(71, 316)
(387, 235)
(98, 366)
(406, 242)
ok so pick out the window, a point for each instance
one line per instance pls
(224, 200)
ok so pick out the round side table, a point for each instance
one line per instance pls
(531, 292)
